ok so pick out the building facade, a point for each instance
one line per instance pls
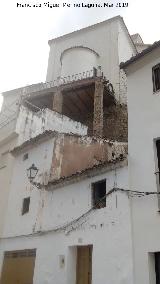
(75, 222)
(143, 77)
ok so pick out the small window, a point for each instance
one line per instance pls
(99, 194)
(25, 207)
(156, 77)
(25, 157)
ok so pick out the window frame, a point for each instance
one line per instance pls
(157, 66)
(26, 205)
(93, 189)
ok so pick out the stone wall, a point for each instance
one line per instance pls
(115, 126)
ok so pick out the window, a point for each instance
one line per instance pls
(25, 207)
(157, 267)
(156, 77)
(25, 157)
(99, 194)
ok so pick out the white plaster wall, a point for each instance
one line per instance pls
(8, 117)
(6, 167)
(8, 140)
(144, 118)
(125, 52)
(72, 63)
(107, 229)
(102, 38)
(30, 124)
(10, 102)
(20, 188)
(25, 126)
(125, 45)
(109, 39)
(62, 123)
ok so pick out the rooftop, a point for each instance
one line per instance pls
(101, 168)
(81, 156)
(93, 26)
(140, 55)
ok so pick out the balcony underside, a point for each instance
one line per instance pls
(78, 99)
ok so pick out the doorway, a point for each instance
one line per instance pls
(84, 265)
(18, 267)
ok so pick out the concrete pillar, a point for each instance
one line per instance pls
(58, 101)
(98, 109)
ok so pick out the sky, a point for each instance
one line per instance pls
(25, 31)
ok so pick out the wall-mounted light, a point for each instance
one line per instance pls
(32, 172)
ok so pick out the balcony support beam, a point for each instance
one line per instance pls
(58, 101)
(98, 108)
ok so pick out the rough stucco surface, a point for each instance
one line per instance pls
(30, 124)
(6, 168)
(62, 156)
(144, 118)
(73, 154)
(109, 226)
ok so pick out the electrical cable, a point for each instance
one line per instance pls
(73, 222)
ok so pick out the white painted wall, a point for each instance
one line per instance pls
(78, 60)
(41, 156)
(8, 116)
(144, 119)
(6, 167)
(125, 52)
(106, 39)
(27, 124)
(107, 229)
(125, 45)
(8, 140)
(30, 124)
(18, 126)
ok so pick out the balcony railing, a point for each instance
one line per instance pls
(95, 72)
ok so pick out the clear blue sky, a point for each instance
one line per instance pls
(25, 33)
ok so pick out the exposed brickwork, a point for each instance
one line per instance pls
(123, 87)
(110, 123)
(98, 109)
(58, 101)
(116, 123)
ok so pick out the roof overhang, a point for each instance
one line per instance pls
(87, 173)
(140, 56)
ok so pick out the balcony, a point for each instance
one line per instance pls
(27, 124)
(62, 81)
(65, 105)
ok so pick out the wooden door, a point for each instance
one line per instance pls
(84, 265)
(18, 267)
